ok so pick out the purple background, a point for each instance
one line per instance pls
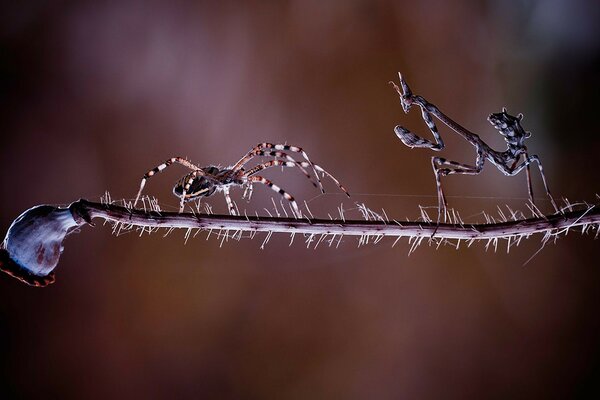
(93, 94)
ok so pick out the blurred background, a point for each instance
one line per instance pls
(93, 94)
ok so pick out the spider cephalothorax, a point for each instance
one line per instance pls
(205, 181)
(508, 162)
(509, 127)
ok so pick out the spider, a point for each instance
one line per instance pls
(506, 161)
(205, 181)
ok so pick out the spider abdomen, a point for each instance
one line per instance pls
(200, 186)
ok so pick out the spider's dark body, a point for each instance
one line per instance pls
(205, 181)
(506, 161)
(202, 185)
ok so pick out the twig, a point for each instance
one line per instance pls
(33, 243)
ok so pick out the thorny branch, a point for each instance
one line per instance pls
(157, 219)
(33, 244)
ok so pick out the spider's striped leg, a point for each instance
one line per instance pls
(412, 140)
(296, 149)
(248, 192)
(284, 147)
(443, 167)
(524, 164)
(230, 204)
(279, 190)
(278, 163)
(258, 151)
(333, 178)
(160, 168)
(274, 163)
(184, 194)
(290, 163)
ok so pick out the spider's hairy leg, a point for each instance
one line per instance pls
(229, 201)
(525, 164)
(280, 154)
(247, 192)
(275, 163)
(279, 190)
(190, 179)
(285, 147)
(160, 168)
(296, 149)
(333, 178)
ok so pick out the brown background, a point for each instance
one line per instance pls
(93, 94)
